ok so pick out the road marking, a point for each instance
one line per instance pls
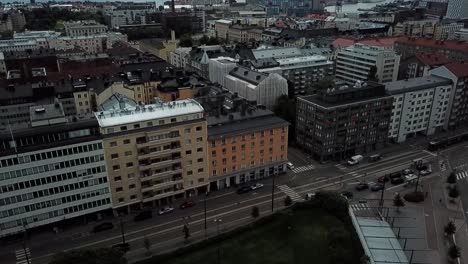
(303, 168)
(22, 256)
(291, 193)
(461, 175)
(359, 207)
(396, 186)
(340, 166)
(430, 153)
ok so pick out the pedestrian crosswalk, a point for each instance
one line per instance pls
(303, 168)
(291, 193)
(359, 207)
(461, 175)
(23, 256)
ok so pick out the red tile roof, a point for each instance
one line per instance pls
(382, 42)
(458, 68)
(435, 44)
(433, 59)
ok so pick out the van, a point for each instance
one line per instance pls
(375, 157)
(354, 160)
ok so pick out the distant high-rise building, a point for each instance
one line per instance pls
(457, 9)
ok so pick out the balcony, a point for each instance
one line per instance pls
(159, 175)
(157, 164)
(162, 185)
(151, 197)
(142, 155)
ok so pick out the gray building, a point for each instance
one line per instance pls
(83, 28)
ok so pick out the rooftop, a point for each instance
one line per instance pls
(248, 75)
(381, 42)
(415, 84)
(141, 113)
(276, 53)
(435, 44)
(459, 69)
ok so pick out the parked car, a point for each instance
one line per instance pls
(377, 187)
(309, 196)
(103, 227)
(361, 186)
(143, 216)
(411, 177)
(425, 172)
(124, 247)
(422, 167)
(375, 157)
(349, 195)
(396, 174)
(407, 171)
(165, 210)
(399, 180)
(289, 165)
(187, 204)
(244, 189)
(383, 179)
(354, 160)
(256, 186)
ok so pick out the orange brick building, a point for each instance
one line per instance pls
(246, 147)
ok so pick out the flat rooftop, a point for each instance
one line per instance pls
(141, 113)
(415, 84)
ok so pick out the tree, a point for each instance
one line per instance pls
(287, 201)
(186, 232)
(454, 193)
(454, 252)
(452, 178)
(212, 41)
(147, 245)
(186, 41)
(398, 201)
(161, 8)
(373, 74)
(255, 212)
(450, 228)
(90, 256)
(204, 40)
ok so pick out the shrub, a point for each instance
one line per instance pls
(398, 201)
(453, 192)
(414, 197)
(450, 228)
(454, 252)
(452, 178)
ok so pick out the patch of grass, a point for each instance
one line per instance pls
(301, 235)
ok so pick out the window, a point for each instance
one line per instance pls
(213, 143)
(199, 149)
(224, 161)
(117, 178)
(188, 152)
(133, 197)
(118, 189)
(116, 167)
(199, 128)
(252, 135)
(243, 138)
(188, 142)
(114, 156)
(213, 153)
(200, 170)
(173, 120)
(129, 164)
(187, 130)
(121, 200)
(200, 139)
(189, 172)
(131, 175)
(149, 124)
(128, 153)
(123, 128)
(201, 180)
(233, 148)
(113, 144)
(200, 160)
(161, 122)
(214, 172)
(131, 186)
(126, 141)
(136, 126)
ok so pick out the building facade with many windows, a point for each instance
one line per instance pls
(51, 170)
(155, 153)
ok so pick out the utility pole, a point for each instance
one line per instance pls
(26, 253)
(381, 202)
(417, 181)
(272, 192)
(122, 230)
(204, 206)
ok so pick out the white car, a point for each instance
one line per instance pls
(411, 177)
(256, 186)
(290, 165)
(165, 210)
(425, 172)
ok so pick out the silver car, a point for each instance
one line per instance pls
(165, 210)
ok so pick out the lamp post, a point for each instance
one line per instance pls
(26, 253)
(272, 192)
(218, 221)
(204, 206)
(122, 229)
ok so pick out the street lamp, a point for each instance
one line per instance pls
(24, 244)
(272, 191)
(122, 229)
(204, 205)
(218, 221)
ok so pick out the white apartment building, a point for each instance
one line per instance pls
(91, 44)
(355, 62)
(51, 170)
(118, 17)
(262, 88)
(83, 28)
(180, 57)
(460, 35)
(457, 9)
(219, 68)
(420, 106)
(20, 44)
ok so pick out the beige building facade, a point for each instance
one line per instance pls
(156, 154)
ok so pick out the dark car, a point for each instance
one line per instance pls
(383, 179)
(361, 186)
(143, 216)
(407, 171)
(103, 227)
(187, 204)
(375, 157)
(347, 194)
(124, 247)
(376, 187)
(395, 175)
(422, 167)
(244, 189)
(399, 180)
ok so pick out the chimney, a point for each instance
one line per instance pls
(172, 6)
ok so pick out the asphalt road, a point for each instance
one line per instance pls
(165, 232)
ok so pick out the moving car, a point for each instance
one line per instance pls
(256, 186)
(383, 179)
(376, 187)
(187, 204)
(244, 189)
(124, 247)
(310, 196)
(289, 165)
(349, 195)
(103, 227)
(354, 160)
(399, 180)
(361, 186)
(375, 157)
(407, 171)
(143, 216)
(165, 210)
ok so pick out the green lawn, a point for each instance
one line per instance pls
(304, 235)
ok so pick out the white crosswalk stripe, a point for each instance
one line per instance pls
(359, 206)
(21, 256)
(303, 168)
(462, 175)
(291, 193)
